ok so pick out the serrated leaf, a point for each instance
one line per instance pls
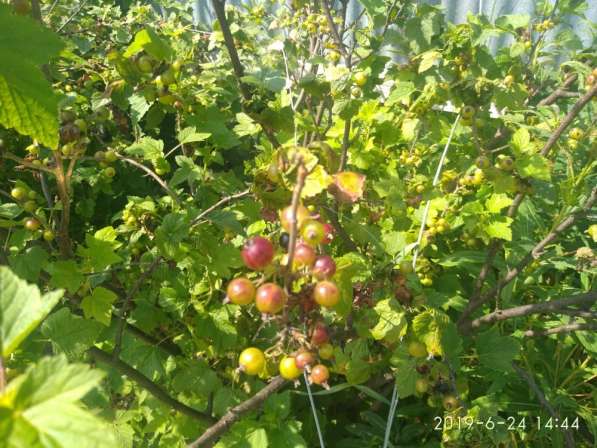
(394, 242)
(534, 165)
(139, 107)
(349, 186)
(496, 352)
(22, 308)
(40, 401)
(521, 140)
(406, 372)
(400, 92)
(190, 135)
(98, 305)
(409, 128)
(197, 378)
(27, 102)
(497, 202)
(72, 334)
(98, 254)
(428, 60)
(148, 40)
(147, 148)
(499, 227)
(317, 181)
(65, 274)
(392, 322)
(429, 327)
(513, 21)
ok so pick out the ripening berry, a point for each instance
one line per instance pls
(302, 214)
(417, 349)
(304, 255)
(288, 368)
(324, 267)
(270, 298)
(241, 291)
(313, 232)
(326, 293)
(319, 374)
(251, 361)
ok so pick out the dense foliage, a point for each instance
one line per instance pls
(197, 219)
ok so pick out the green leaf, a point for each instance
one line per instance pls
(190, 135)
(496, 352)
(188, 171)
(197, 378)
(513, 21)
(246, 125)
(406, 372)
(392, 322)
(27, 101)
(534, 165)
(174, 228)
(148, 40)
(65, 274)
(287, 435)
(499, 227)
(351, 267)
(428, 60)
(373, 7)
(401, 91)
(429, 327)
(521, 140)
(71, 334)
(22, 308)
(409, 128)
(317, 181)
(139, 107)
(28, 264)
(394, 242)
(39, 402)
(497, 202)
(98, 305)
(99, 254)
(147, 148)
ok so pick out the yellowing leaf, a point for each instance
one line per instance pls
(317, 181)
(348, 186)
(497, 202)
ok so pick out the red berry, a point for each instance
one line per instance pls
(257, 253)
(324, 267)
(270, 298)
(304, 255)
(304, 359)
(241, 291)
(32, 224)
(326, 293)
(319, 335)
(319, 374)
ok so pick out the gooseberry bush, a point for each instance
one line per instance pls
(205, 228)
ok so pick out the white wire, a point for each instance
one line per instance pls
(442, 159)
(314, 410)
(435, 182)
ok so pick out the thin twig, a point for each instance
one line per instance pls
(568, 328)
(543, 400)
(552, 306)
(127, 304)
(496, 245)
(534, 253)
(156, 390)
(151, 173)
(233, 415)
(72, 16)
(301, 176)
(25, 163)
(333, 27)
(2, 374)
(221, 202)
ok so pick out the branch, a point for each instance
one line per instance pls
(72, 16)
(234, 414)
(25, 163)
(535, 308)
(222, 201)
(578, 326)
(149, 385)
(127, 304)
(301, 176)
(541, 397)
(333, 28)
(558, 93)
(533, 254)
(220, 10)
(345, 145)
(496, 245)
(164, 344)
(150, 172)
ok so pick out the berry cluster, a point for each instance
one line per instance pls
(310, 286)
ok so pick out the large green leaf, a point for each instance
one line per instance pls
(496, 352)
(22, 308)
(41, 408)
(70, 333)
(27, 101)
